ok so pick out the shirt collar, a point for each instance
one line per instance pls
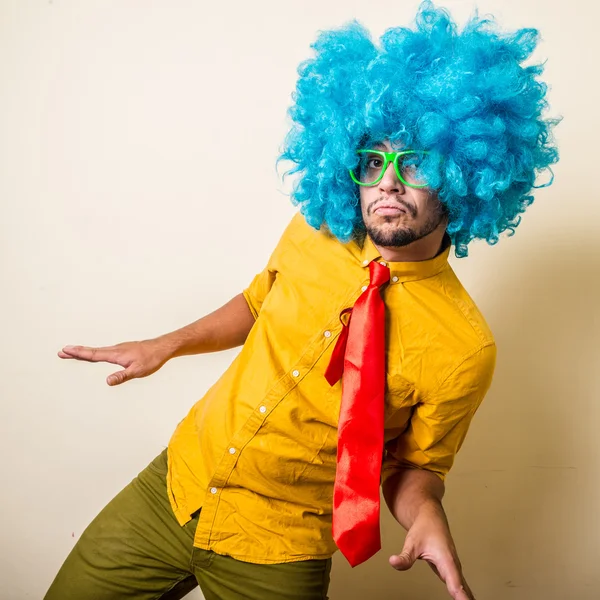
(400, 272)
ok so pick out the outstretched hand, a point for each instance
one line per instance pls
(138, 359)
(429, 539)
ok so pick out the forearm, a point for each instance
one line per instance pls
(226, 327)
(412, 491)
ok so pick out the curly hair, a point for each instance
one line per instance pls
(462, 95)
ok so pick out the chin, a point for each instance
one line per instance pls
(388, 228)
(392, 237)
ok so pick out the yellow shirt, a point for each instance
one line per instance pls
(258, 452)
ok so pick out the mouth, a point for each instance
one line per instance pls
(390, 210)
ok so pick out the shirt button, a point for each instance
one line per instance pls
(364, 288)
(213, 490)
(365, 262)
(383, 263)
(394, 279)
(295, 373)
(231, 450)
(263, 409)
(327, 334)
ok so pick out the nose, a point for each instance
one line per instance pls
(390, 184)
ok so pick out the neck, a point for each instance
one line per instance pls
(424, 249)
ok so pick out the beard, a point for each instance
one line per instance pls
(402, 235)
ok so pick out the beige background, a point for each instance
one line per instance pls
(138, 192)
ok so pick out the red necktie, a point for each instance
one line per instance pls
(359, 359)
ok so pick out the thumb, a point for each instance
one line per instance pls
(405, 560)
(120, 377)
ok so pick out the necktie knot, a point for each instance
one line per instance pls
(380, 274)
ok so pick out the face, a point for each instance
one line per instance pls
(397, 215)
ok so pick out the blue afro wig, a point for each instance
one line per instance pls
(463, 96)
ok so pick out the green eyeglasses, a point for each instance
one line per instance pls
(373, 164)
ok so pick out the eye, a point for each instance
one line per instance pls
(374, 163)
(411, 165)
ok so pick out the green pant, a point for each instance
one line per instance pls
(136, 549)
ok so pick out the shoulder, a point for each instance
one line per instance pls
(301, 238)
(467, 315)
(449, 336)
(453, 314)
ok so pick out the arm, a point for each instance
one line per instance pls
(226, 327)
(417, 461)
(409, 491)
(414, 497)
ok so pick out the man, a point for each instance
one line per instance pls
(363, 358)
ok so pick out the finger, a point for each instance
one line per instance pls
(62, 354)
(120, 377)
(405, 560)
(462, 594)
(90, 354)
(468, 594)
(449, 571)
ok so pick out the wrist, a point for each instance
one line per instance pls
(166, 346)
(432, 515)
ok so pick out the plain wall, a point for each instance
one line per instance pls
(138, 190)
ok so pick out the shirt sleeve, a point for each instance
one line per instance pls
(262, 283)
(439, 423)
(258, 289)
